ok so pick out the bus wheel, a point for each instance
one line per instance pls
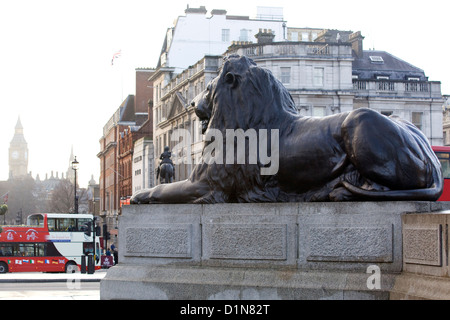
(3, 267)
(71, 267)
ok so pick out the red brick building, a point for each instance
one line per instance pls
(127, 124)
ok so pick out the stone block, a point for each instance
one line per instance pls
(350, 244)
(425, 243)
(159, 240)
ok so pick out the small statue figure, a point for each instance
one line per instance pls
(165, 170)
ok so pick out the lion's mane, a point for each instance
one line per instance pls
(253, 99)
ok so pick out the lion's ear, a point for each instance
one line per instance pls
(231, 79)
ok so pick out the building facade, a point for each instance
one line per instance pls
(317, 74)
(196, 34)
(446, 120)
(396, 88)
(130, 122)
(330, 75)
(172, 111)
(143, 166)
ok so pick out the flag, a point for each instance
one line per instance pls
(115, 56)
(5, 198)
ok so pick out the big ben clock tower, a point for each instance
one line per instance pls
(18, 154)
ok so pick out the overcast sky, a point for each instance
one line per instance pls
(56, 73)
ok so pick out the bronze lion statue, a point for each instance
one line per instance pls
(359, 155)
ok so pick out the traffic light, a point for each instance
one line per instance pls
(106, 234)
(89, 227)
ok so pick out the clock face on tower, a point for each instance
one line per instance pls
(15, 154)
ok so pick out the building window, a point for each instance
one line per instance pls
(244, 35)
(416, 119)
(376, 59)
(305, 36)
(387, 113)
(294, 36)
(285, 75)
(318, 77)
(319, 112)
(226, 35)
(193, 123)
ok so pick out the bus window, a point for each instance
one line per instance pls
(27, 249)
(444, 158)
(88, 248)
(6, 250)
(83, 224)
(51, 222)
(39, 250)
(66, 224)
(62, 224)
(36, 220)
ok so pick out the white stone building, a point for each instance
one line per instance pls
(196, 34)
(317, 75)
(172, 110)
(143, 164)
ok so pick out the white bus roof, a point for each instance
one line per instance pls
(66, 215)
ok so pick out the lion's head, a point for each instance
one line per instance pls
(243, 96)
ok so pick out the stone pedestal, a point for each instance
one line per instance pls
(260, 251)
(426, 270)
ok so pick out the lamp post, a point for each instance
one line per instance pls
(75, 168)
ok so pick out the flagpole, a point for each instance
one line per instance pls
(116, 55)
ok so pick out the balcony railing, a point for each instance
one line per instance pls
(293, 49)
(400, 88)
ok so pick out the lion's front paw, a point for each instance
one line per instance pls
(147, 196)
(141, 197)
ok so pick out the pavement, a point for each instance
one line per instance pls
(32, 277)
(50, 286)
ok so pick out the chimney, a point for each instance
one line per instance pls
(218, 12)
(201, 10)
(265, 36)
(356, 39)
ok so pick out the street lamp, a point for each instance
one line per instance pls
(75, 168)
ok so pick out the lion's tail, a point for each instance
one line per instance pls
(427, 194)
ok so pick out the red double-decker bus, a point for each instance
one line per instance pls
(49, 242)
(443, 154)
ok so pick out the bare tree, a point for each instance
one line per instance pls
(62, 198)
